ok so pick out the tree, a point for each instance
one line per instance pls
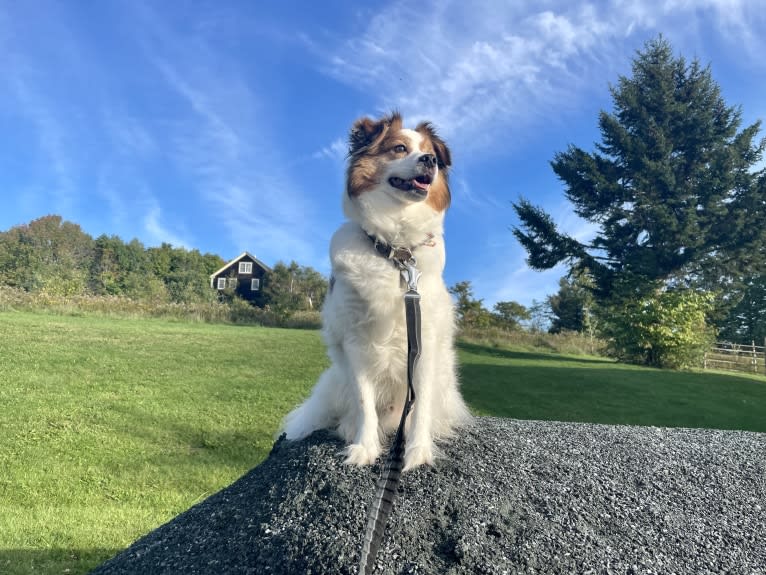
(572, 304)
(539, 316)
(671, 187)
(291, 288)
(118, 268)
(470, 311)
(746, 322)
(313, 286)
(47, 254)
(510, 314)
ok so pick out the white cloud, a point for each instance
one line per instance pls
(53, 138)
(220, 139)
(477, 73)
(271, 236)
(129, 137)
(464, 198)
(158, 232)
(336, 151)
(512, 280)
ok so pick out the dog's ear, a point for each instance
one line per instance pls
(367, 131)
(443, 155)
(363, 133)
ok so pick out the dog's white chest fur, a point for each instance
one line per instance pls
(362, 393)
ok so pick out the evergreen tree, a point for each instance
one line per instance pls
(746, 322)
(571, 305)
(671, 187)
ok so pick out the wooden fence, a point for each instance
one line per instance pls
(736, 357)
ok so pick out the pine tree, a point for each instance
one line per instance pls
(671, 186)
(746, 323)
(572, 304)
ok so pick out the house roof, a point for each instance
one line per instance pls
(235, 260)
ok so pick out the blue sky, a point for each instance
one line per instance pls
(221, 126)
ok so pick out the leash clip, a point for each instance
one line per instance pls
(410, 274)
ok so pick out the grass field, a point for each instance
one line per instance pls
(111, 427)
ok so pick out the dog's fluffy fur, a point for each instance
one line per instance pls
(397, 190)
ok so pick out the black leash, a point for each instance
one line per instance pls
(377, 516)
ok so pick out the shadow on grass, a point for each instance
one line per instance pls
(613, 394)
(490, 351)
(193, 443)
(72, 561)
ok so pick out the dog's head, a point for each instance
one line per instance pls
(407, 166)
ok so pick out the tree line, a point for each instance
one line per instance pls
(52, 256)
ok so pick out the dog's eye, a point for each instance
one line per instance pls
(400, 149)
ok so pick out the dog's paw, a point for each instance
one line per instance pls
(358, 454)
(418, 455)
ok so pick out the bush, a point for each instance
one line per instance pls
(668, 329)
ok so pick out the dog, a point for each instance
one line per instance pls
(397, 194)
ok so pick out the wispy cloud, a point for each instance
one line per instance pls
(336, 151)
(270, 235)
(509, 278)
(467, 199)
(52, 135)
(128, 136)
(158, 232)
(479, 72)
(222, 142)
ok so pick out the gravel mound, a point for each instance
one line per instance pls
(507, 497)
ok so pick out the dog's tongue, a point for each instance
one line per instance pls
(421, 185)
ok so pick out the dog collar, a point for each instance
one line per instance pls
(399, 254)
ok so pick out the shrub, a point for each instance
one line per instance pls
(668, 329)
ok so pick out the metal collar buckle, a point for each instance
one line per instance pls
(402, 258)
(410, 274)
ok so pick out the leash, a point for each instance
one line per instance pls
(377, 515)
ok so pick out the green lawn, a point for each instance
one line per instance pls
(110, 427)
(528, 385)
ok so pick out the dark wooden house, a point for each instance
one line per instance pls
(245, 275)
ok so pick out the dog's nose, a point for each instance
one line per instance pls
(428, 159)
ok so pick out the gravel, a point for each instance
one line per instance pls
(508, 496)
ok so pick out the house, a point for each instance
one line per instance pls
(244, 275)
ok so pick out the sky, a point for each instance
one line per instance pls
(222, 126)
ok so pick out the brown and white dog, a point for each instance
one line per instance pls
(397, 191)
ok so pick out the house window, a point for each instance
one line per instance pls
(232, 282)
(221, 283)
(245, 267)
(255, 284)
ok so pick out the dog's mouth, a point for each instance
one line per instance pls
(418, 185)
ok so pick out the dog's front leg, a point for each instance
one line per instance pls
(362, 427)
(420, 445)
